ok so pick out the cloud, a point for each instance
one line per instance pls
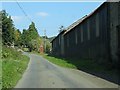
(17, 18)
(42, 14)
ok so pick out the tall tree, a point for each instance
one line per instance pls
(61, 28)
(0, 24)
(33, 31)
(7, 29)
(30, 37)
(17, 37)
(25, 38)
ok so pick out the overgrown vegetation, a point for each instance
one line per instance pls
(13, 66)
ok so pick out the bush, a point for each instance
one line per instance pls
(13, 66)
(10, 53)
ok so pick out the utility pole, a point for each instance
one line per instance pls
(45, 40)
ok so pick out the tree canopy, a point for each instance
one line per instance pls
(28, 38)
(7, 29)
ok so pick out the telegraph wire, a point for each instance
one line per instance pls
(32, 21)
(23, 11)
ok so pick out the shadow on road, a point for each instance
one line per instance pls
(106, 72)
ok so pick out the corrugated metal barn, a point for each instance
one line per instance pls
(95, 36)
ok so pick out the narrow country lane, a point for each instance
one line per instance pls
(43, 74)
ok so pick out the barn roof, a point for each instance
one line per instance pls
(78, 22)
(75, 24)
(58, 35)
(81, 20)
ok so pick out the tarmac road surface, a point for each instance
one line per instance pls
(43, 74)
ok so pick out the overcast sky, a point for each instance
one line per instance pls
(48, 16)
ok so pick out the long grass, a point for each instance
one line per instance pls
(58, 61)
(82, 64)
(13, 66)
(86, 65)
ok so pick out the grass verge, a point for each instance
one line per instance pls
(86, 65)
(60, 62)
(57, 61)
(13, 66)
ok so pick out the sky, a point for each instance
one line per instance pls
(48, 16)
